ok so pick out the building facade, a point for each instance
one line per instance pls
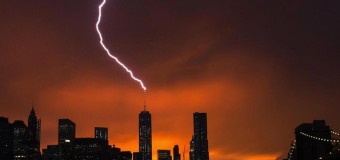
(145, 136)
(101, 133)
(89, 149)
(66, 136)
(50, 153)
(199, 143)
(6, 139)
(176, 154)
(34, 125)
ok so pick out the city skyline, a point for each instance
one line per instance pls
(69, 146)
(258, 68)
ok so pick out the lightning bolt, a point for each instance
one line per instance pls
(112, 56)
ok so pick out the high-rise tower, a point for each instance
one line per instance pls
(145, 136)
(66, 136)
(34, 134)
(199, 143)
(177, 156)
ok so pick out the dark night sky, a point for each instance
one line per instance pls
(258, 68)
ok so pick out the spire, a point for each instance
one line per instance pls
(144, 100)
(32, 111)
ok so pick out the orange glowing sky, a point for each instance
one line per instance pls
(258, 69)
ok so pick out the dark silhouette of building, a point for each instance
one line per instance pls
(164, 155)
(34, 125)
(311, 149)
(66, 136)
(136, 156)
(177, 156)
(114, 152)
(21, 149)
(6, 139)
(145, 136)
(125, 155)
(90, 149)
(50, 153)
(199, 143)
(101, 133)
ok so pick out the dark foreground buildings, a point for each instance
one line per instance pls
(19, 141)
(66, 137)
(164, 155)
(199, 143)
(314, 141)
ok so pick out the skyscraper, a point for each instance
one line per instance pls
(145, 136)
(311, 149)
(66, 136)
(20, 141)
(34, 125)
(177, 156)
(199, 143)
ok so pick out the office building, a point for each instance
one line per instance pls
(34, 125)
(50, 153)
(66, 136)
(90, 149)
(6, 139)
(176, 154)
(20, 141)
(145, 136)
(199, 143)
(136, 156)
(101, 133)
(125, 155)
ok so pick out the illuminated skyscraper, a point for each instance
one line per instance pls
(145, 136)
(66, 136)
(199, 143)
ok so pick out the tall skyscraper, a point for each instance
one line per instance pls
(20, 141)
(145, 136)
(66, 136)
(34, 135)
(311, 149)
(199, 143)
(164, 155)
(177, 156)
(101, 133)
